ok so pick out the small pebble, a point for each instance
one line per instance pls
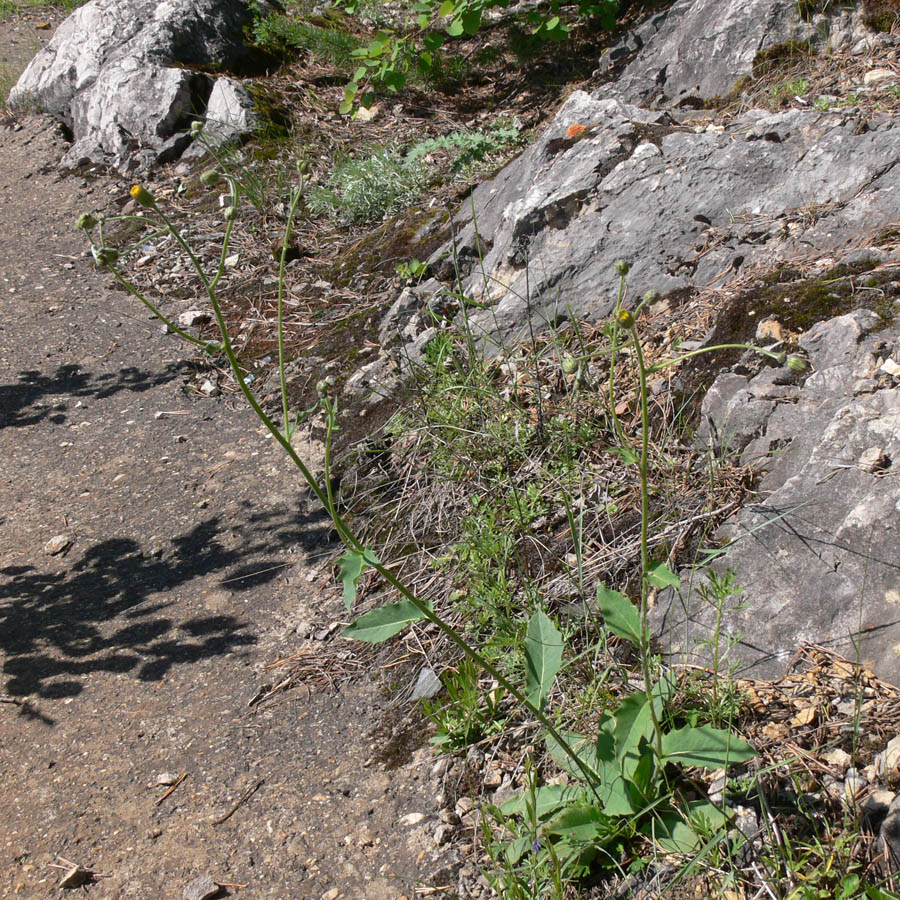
(412, 819)
(202, 888)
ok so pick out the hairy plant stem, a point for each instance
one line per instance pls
(645, 536)
(296, 194)
(614, 348)
(345, 534)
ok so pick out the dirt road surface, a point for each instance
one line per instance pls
(157, 554)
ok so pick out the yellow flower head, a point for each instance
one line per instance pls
(144, 197)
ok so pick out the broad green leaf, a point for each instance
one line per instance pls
(516, 849)
(581, 823)
(345, 107)
(352, 564)
(455, 28)
(622, 618)
(627, 455)
(446, 8)
(877, 893)
(433, 41)
(642, 783)
(705, 746)
(677, 833)
(634, 726)
(422, 20)
(359, 74)
(547, 800)
(393, 80)
(471, 21)
(584, 749)
(661, 576)
(543, 657)
(382, 623)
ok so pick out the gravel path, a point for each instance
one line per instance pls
(156, 555)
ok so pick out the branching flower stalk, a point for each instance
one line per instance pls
(627, 320)
(107, 258)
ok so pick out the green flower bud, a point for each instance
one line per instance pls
(196, 128)
(625, 318)
(86, 221)
(623, 267)
(570, 365)
(652, 296)
(303, 168)
(211, 177)
(105, 256)
(798, 364)
(230, 212)
(323, 387)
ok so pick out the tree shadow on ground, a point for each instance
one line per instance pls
(23, 404)
(111, 610)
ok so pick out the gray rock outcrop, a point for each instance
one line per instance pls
(697, 50)
(118, 75)
(692, 202)
(817, 554)
(688, 206)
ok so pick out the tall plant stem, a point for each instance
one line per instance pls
(645, 534)
(346, 535)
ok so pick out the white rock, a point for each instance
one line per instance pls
(873, 76)
(58, 544)
(836, 758)
(412, 819)
(192, 317)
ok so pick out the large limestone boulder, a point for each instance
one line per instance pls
(816, 554)
(688, 205)
(119, 75)
(698, 49)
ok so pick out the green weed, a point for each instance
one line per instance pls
(283, 34)
(470, 147)
(368, 187)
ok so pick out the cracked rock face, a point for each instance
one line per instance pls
(817, 554)
(118, 75)
(698, 49)
(687, 206)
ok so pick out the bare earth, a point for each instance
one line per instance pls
(136, 651)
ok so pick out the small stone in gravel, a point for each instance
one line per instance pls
(166, 779)
(887, 763)
(210, 388)
(493, 778)
(192, 317)
(427, 684)
(854, 784)
(875, 807)
(889, 838)
(412, 819)
(442, 834)
(202, 888)
(464, 806)
(836, 758)
(232, 261)
(58, 544)
(331, 895)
